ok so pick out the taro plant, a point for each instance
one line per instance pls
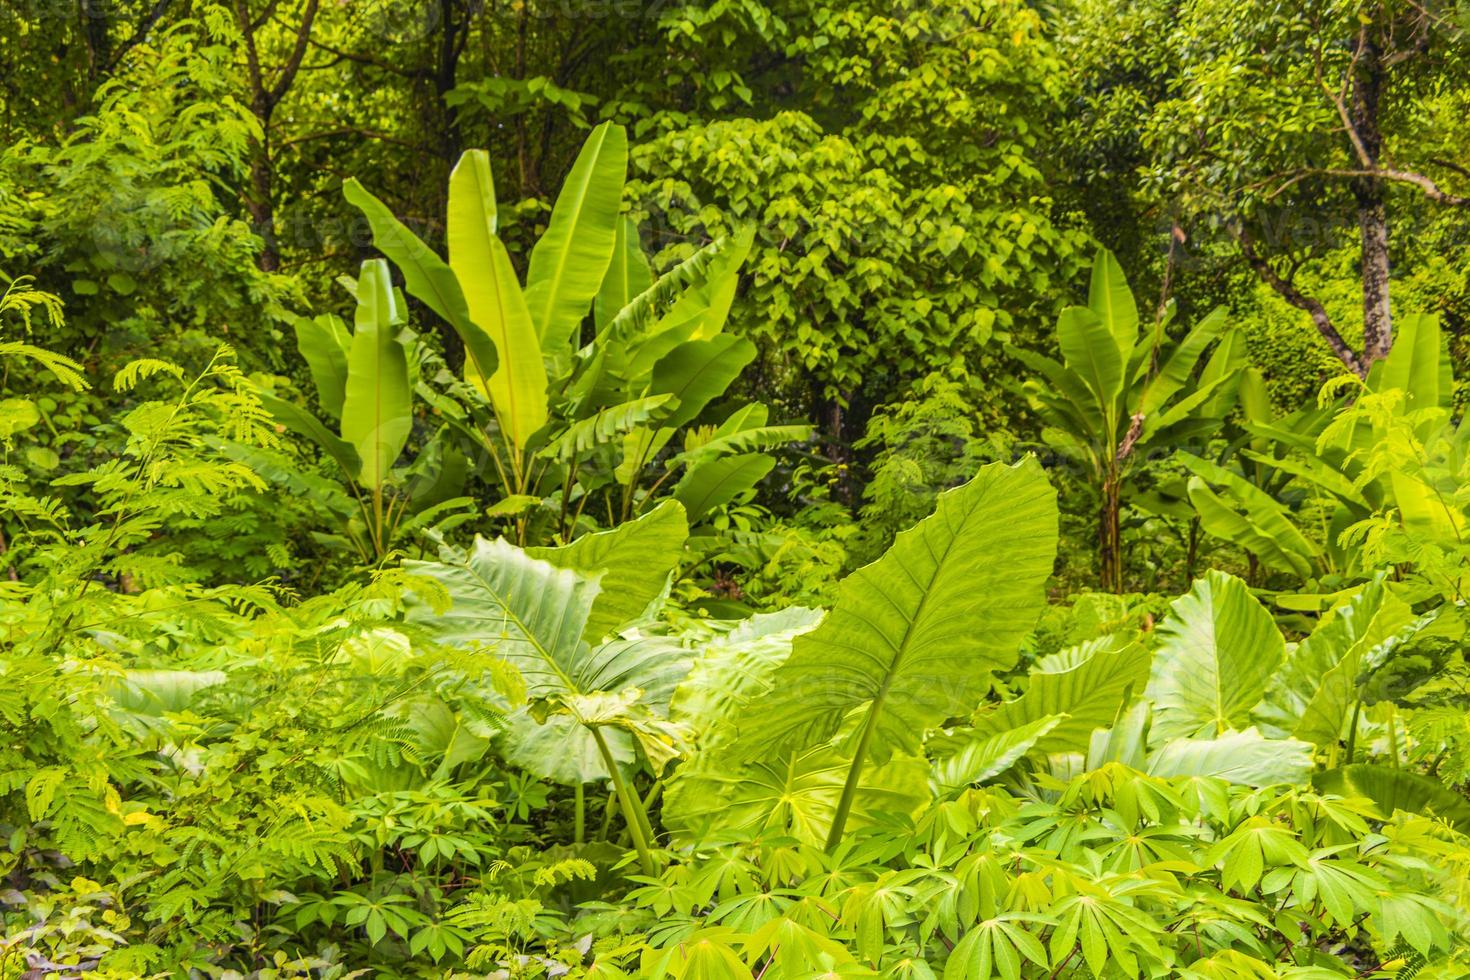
(912, 641)
(364, 384)
(597, 690)
(1117, 394)
(577, 382)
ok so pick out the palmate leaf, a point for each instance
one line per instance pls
(569, 261)
(914, 637)
(794, 793)
(1392, 789)
(634, 559)
(1217, 653)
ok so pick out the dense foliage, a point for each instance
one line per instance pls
(734, 489)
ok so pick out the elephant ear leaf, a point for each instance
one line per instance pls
(528, 612)
(984, 757)
(1085, 688)
(1248, 758)
(1217, 654)
(914, 637)
(634, 559)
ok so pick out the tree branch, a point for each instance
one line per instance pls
(1288, 291)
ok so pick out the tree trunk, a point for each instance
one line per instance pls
(1369, 193)
(261, 200)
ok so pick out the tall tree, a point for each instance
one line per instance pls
(1303, 128)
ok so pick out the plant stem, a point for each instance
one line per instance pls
(631, 811)
(854, 775)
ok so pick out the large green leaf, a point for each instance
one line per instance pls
(1084, 688)
(1217, 654)
(635, 560)
(517, 389)
(716, 482)
(377, 409)
(532, 615)
(1178, 367)
(1322, 676)
(569, 261)
(735, 668)
(324, 342)
(1110, 298)
(1419, 363)
(302, 422)
(793, 793)
(628, 275)
(607, 425)
(983, 757)
(1092, 352)
(698, 371)
(1246, 757)
(1261, 524)
(1396, 789)
(425, 275)
(523, 610)
(914, 637)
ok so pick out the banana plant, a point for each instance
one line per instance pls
(364, 384)
(1117, 393)
(565, 422)
(597, 690)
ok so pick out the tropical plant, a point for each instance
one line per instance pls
(912, 641)
(1368, 478)
(1116, 395)
(364, 382)
(598, 695)
(554, 416)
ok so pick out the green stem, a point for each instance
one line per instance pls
(854, 776)
(1352, 737)
(631, 812)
